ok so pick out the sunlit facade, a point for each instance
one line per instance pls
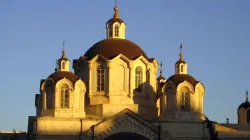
(115, 93)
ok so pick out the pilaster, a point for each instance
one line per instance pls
(110, 83)
(44, 100)
(90, 78)
(57, 99)
(131, 79)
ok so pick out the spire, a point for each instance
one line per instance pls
(181, 55)
(56, 65)
(247, 96)
(63, 51)
(181, 66)
(161, 72)
(116, 15)
(63, 63)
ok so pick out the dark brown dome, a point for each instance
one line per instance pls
(58, 75)
(244, 105)
(110, 48)
(179, 78)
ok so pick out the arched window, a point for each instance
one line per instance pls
(64, 96)
(248, 116)
(185, 99)
(138, 79)
(63, 65)
(110, 31)
(49, 96)
(116, 30)
(100, 78)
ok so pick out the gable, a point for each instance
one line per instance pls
(124, 121)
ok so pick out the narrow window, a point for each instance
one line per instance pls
(100, 78)
(248, 116)
(49, 96)
(185, 101)
(110, 31)
(116, 30)
(65, 96)
(138, 79)
(181, 68)
(63, 65)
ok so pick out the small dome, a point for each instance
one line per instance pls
(110, 48)
(180, 61)
(179, 78)
(58, 75)
(244, 105)
(113, 20)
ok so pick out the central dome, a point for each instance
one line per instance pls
(110, 48)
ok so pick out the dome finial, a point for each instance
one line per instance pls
(181, 55)
(247, 96)
(63, 51)
(56, 65)
(161, 72)
(116, 15)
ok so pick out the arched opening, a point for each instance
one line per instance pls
(65, 96)
(181, 68)
(125, 136)
(49, 96)
(138, 79)
(63, 65)
(248, 116)
(100, 77)
(185, 99)
(110, 31)
(170, 98)
(116, 30)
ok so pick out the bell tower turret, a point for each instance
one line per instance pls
(181, 67)
(115, 27)
(63, 64)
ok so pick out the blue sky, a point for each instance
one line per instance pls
(215, 36)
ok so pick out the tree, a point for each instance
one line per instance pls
(213, 134)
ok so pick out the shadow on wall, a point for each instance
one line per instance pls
(145, 97)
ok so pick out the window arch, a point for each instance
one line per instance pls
(116, 30)
(63, 65)
(185, 99)
(110, 30)
(100, 78)
(49, 96)
(181, 68)
(138, 79)
(65, 96)
(248, 116)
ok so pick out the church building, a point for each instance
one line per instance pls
(114, 93)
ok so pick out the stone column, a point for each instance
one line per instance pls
(109, 64)
(56, 99)
(44, 100)
(90, 79)
(131, 79)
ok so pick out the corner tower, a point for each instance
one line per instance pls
(62, 93)
(244, 112)
(115, 27)
(183, 95)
